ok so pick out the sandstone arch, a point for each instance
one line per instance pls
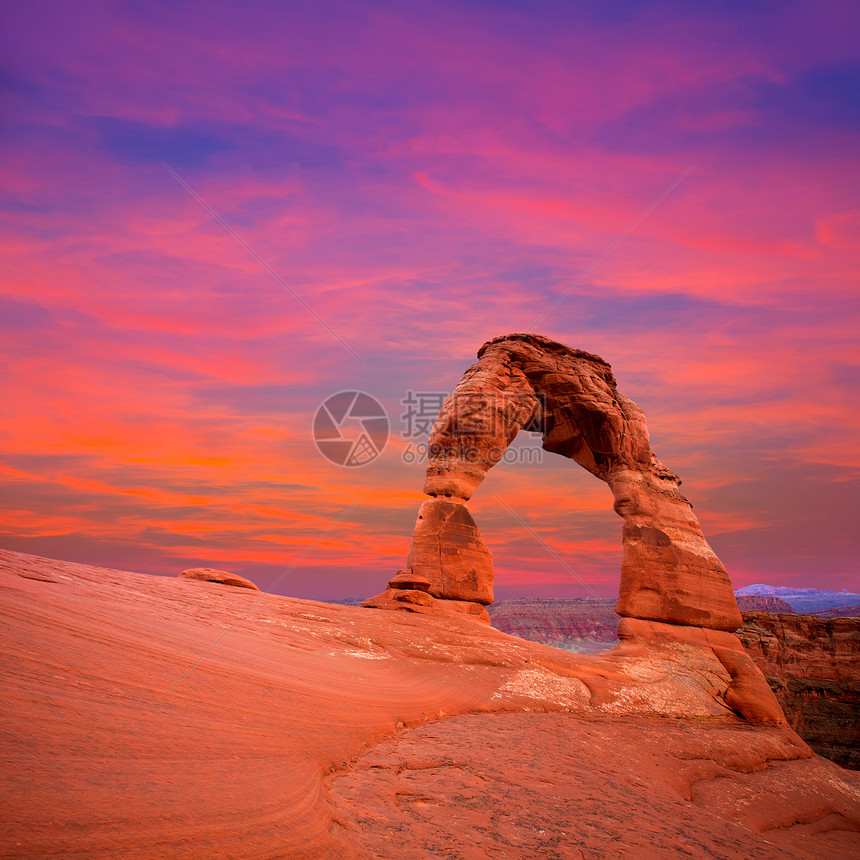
(673, 587)
(669, 573)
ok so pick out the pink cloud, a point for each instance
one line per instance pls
(424, 186)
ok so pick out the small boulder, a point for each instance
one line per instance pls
(209, 574)
(409, 580)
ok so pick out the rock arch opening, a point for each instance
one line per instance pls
(673, 590)
(669, 573)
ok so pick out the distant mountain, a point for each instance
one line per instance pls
(839, 612)
(811, 664)
(782, 590)
(761, 588)
(562, 621)
(803, 600)
(763, 603)
(585, 625)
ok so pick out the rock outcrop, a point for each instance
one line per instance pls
(222, 577)
(813, 666)
(448, 550)
(672, 582)
(669, 572)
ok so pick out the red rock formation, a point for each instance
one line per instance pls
(748, 692)
(222, 577)
(409, 580)
(143, 717)
(411, 599)
(669, 574)
(763, 603)
(813, 666)
(448, 549)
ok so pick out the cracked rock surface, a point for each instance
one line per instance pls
(147, 716)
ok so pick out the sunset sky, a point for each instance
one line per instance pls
(423, 176)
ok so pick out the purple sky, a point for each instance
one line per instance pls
(424, 177)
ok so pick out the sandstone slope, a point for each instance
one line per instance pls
(153, 717)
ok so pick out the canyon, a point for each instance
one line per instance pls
(571, 623)
(807, 600)
(578, 623)
(813, 666)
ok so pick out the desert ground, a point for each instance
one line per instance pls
(154, 717)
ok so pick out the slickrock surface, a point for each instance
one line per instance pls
(222, 577)
(763, 603)
(546, 786)
(813, 666)
(144, 717)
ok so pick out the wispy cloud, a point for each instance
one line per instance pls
(422, 185)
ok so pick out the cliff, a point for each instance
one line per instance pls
(582, 624)
(573, 623)
(813, 667)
